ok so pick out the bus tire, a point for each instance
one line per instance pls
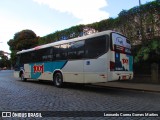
(58, 79)
(22, 77)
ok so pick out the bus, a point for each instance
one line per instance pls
(99, 57)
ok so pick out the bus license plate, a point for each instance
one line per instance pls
(124, 77)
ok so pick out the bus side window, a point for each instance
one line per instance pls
(26, 58)
(56, 52)
(17, 65)
(63, 51)
(39, 55)
(33, 57)
(46, 54)
(71, 51)
(95, 47)
(80, 49)
(76, 50)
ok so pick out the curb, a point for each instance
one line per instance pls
(131, 86)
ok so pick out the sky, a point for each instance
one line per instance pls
(47, 16)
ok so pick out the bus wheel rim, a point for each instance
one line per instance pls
(58, 80)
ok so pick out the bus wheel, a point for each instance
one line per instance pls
(58, 79)
(22, 77)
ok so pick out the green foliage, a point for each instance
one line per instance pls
(127, 23)
(72, 32)
(24, 39)
(149, 52)
(124, 23)
(4, 61)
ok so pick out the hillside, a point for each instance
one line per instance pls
(138, 24)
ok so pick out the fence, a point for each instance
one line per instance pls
(147, 72)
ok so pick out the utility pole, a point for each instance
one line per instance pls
(141, 22)
(139, 2)
(1, 54)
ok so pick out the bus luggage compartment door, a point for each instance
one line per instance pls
(95, 70)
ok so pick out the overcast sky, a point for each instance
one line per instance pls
(47, 16)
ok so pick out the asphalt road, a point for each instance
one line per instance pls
(16, 95)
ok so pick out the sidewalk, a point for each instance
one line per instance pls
(132, 85)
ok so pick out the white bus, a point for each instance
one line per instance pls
(99, 57)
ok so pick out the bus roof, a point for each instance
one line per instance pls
(66, 41)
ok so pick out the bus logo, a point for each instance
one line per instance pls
(125, 61)
(119, 41)
(38, 68)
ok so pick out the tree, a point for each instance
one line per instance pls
(149, 52)
(4, 61)
(24, 39)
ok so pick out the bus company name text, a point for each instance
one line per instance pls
(125, 61)
(38, 68)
